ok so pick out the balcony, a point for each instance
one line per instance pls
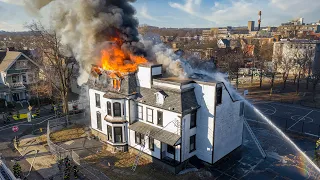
(18, 85)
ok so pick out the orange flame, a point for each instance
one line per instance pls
(114, 59)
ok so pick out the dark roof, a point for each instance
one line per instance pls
(103, 83)
(174, 80)
(155, 133)
(8, 59)
(111, 95)
(176, 101)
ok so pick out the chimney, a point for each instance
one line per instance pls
(259, 20)
(146, 73)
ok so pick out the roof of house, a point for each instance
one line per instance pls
(112, 95)
(155, 133)
(175, 101)
(7, 58)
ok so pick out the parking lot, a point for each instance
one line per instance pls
(288, 117)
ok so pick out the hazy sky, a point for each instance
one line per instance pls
(188, 13)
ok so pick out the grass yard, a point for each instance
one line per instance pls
(118, 166)
(67, 134)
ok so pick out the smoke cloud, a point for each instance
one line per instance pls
(84, 25)
(87, 26)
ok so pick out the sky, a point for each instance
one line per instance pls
(187, 13)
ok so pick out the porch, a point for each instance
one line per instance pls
(160, 144)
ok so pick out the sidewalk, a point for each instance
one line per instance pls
(44, 163)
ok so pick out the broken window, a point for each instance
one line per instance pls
(109, 108)
(116, 84)
(99, 124)
(192, 143)
(219, 95)
(116, 109)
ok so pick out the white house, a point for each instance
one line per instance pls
(174, 118)
(293, 50)
(17, 72)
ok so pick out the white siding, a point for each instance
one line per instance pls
(229, 127)
(144, 77)
(154, 153)
(169, 119)
(186, 133)
(205, 95)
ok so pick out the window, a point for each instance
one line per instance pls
(160, 118)
(192, 143)
(149, 115)
(116, 109)
(219, 95)
(193, 119)
(109, 108)
(98, 100)
(241, 109)
(99, 125)
(15, 79)
(151, 143)
(123, 109)
(24, 78)
(139, 138)
(118, 134)
(170, 149)
(116, 84)
(140, 112)
(109, 130)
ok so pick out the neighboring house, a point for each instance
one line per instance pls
(18, 72)
(175, 119)
(223, 43)
(293, 49)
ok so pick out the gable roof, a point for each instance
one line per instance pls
(179, 102)
(8, 59)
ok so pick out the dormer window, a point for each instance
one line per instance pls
(116, 84)
(160, 97)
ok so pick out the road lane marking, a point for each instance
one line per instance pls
(300, 119)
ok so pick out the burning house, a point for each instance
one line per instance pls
(135, 107)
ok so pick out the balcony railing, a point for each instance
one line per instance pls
(16, 85)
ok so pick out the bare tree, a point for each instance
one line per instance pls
(56, 68)
(286, 64)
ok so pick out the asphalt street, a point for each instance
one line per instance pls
(7, 150)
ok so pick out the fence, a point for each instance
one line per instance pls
(61, 153)
(58, 151)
